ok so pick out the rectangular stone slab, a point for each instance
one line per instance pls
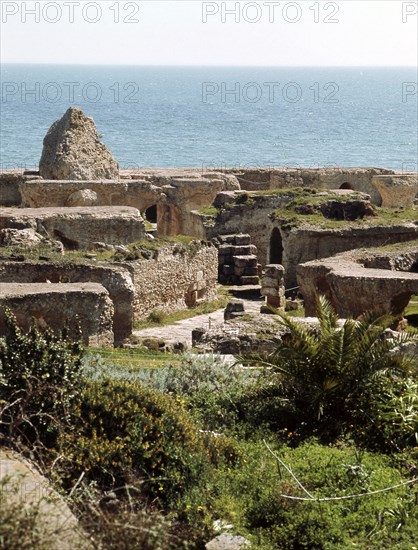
(79, 227)
(55, 305)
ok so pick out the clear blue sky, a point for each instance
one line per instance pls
(377, 32)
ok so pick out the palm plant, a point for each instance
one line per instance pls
(326, 370)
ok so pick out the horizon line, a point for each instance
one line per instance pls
(205, 65)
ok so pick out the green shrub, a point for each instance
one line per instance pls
(39, 380)
(324, 372)
(126, 431)
(251, 498)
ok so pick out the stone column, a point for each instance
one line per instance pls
(272, 287)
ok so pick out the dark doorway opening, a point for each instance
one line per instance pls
(151, 214)
(276, 247)
(346, 185)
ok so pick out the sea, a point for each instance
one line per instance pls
(219, 116)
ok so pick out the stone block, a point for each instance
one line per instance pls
(241, 250)
(397, 190)
(116, 280)
(227, 239)
(234, 309)
(278, 302)
(58, 305)
(269, 291)
(249, 280)
(239, 271)
(242, 239)
(79, 227)
(225, 250)
(245, 261)
(274, 271)
(251, 271)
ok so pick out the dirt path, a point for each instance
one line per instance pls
(181, 331)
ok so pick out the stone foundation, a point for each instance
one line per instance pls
(78, 227)
(353, 288)
(58, 305)
(116, 280)
(175, 279)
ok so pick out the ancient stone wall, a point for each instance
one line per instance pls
(9, 187)
(58, 305)
(115, 279)
(358, 179)
(353, 288)
(78, 227)
(302, 244)
(176, 279)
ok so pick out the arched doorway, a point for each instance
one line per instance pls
(151, 214)
(276, 247)
(346, 185)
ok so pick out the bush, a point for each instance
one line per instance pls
(251, 499)
(126, 432)
(39, 380)
(325, 371)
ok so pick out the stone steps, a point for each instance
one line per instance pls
(237, 260)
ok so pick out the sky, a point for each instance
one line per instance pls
(195, 32)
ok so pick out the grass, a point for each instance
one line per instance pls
(159, 318)
(412, 308)
(136, 251)
(131, 359)
(385, 216)
(209, 211)
(294, 192)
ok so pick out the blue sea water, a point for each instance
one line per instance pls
(219, 116)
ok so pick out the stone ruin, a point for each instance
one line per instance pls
(73, 151)
(273, 288)
(280, 227)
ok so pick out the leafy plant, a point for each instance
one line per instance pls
(327, 369)
(39, 380)
(126, 431)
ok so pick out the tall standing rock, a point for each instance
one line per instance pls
(73, 151)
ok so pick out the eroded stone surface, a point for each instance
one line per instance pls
(55, 305)
(24, 486)
(272, 287)
(78, 227)
(225, 541)
(116, 280)
(397, 190)
(72, 150)
(354, 289)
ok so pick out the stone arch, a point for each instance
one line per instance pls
(276, 247)
(151, 214)
(346, 185)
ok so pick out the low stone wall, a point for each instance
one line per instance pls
(78, 227)
(175, 279)
(358, 179)
(10, 181)
(139, 194)
(116, 280)
(55, 305)
(353, 288)
(304, 244)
